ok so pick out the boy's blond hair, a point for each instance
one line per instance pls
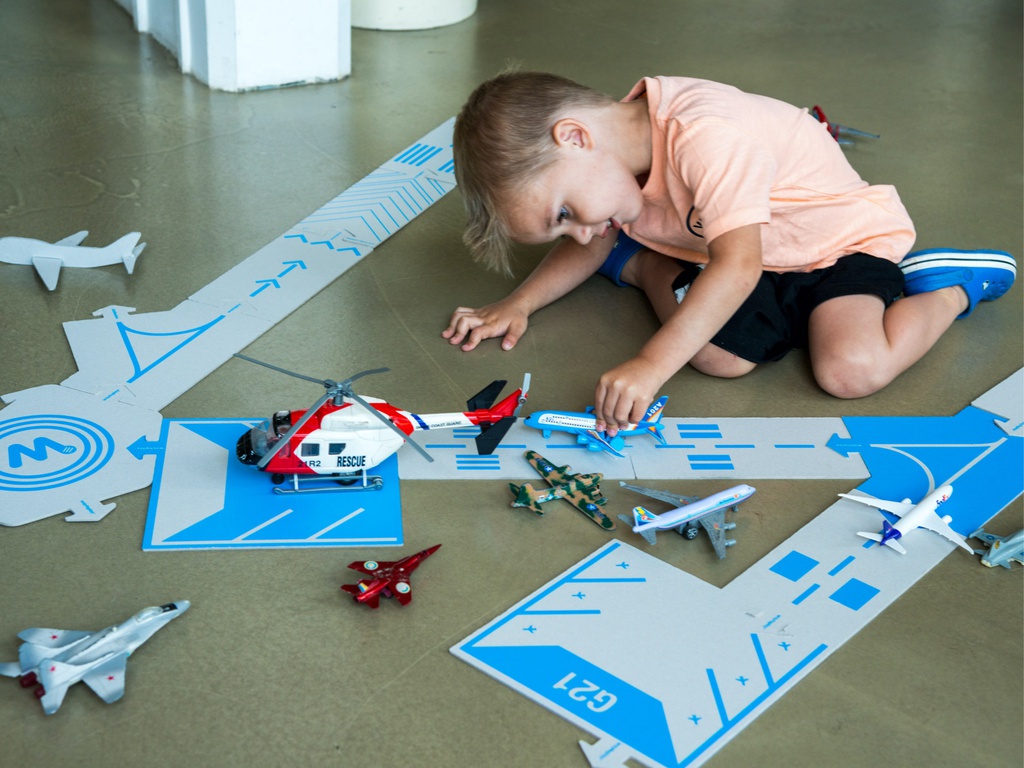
(503, 137)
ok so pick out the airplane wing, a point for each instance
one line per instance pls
(40, 644)
(48, 268)
(107, 680)
(401, 591)
(589, 507)
(898, 508)
(369, 567)
(52, 638)
(670, 498)
(594, 436)
(983, 535)
(553, 474)
(935, 523)
(714, 524)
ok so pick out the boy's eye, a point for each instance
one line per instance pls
(563, 214)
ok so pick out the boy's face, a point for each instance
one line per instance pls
(585, 193)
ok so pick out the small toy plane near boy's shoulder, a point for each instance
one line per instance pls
(912, 516)
(582, 490)
(387, 578)
(48, 258)
(584, 427)
(690, 512)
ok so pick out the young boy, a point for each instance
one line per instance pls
(737, 214)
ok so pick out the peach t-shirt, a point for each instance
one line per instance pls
(723, 159)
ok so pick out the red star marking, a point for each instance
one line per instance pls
(110, 677)
(53, 637)
(53, 669)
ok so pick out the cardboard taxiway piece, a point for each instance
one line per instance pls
(762, 448)
(143, 361)
(571, 645)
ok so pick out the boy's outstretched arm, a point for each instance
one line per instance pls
(566, 266)
(734, 267)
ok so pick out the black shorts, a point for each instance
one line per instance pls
(774, 318)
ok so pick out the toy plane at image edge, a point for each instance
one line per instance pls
(584, 427)
(387, 578)
(690, 512)
(55, 659)
(582, 490)
(912, 516)
(1001, 549)
(343, 435)
(48, 258)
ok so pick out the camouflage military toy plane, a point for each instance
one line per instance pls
(581, 490)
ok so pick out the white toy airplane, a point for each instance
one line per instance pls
(923, 515)
(690, 512)
(58, 658)
(48, 258)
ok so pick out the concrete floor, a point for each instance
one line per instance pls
(99, 131)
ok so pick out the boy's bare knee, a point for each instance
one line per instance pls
(851, 376)
(715, 361)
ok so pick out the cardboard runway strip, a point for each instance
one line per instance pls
(94, 437)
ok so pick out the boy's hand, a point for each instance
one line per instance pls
(624, 394)
(474, 325)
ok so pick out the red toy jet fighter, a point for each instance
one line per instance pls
(387, 579)
(343, 435)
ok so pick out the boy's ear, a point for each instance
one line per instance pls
(571, 132)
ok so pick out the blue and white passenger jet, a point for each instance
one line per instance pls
(584, 427)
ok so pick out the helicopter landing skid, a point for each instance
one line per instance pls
(359, 481)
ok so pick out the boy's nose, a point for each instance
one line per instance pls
(583, 234)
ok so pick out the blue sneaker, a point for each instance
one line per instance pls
(984, 275)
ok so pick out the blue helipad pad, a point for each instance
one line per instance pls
(204, 498)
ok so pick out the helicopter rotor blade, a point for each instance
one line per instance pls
(391, 425)
(283, 441)
(279, 370)
(360, 375)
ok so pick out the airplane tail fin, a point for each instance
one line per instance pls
(879, 537)
(129, 258)
(127, 248)
(10, 669)
(485, 398)
(524, 497)
(501, 417)
(358, 590)
(652, 419)
(642, 516)
(54, 677)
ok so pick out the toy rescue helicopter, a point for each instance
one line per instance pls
(343, 435)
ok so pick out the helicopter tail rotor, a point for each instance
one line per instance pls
(492, 434)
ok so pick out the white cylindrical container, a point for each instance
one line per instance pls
(410, 14)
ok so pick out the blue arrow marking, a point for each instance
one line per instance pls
(143, 447)
(265, 284)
